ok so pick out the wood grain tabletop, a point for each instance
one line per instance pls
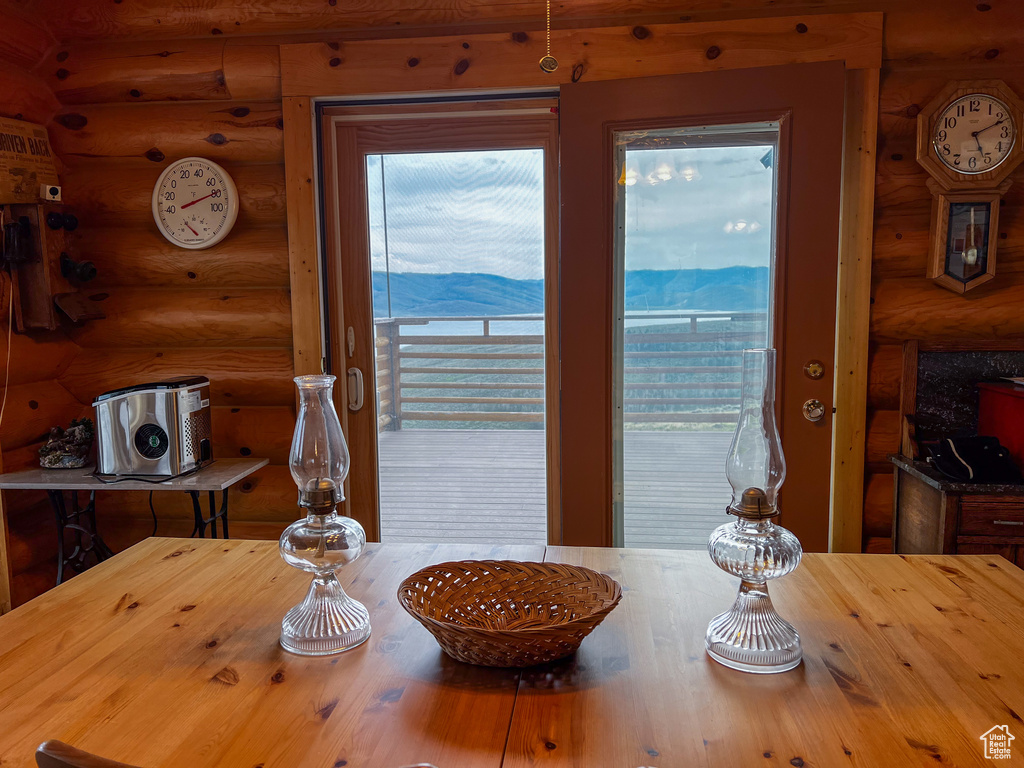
(167, 655)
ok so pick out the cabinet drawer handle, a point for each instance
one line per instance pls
(1008, 522)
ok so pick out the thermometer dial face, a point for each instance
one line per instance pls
(195, 203)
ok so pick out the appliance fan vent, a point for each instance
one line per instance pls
(151, 441)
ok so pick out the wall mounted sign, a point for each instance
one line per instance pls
(26, 161)
(967, 139)
(195, 203)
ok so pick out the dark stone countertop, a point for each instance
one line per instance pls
(928, 474)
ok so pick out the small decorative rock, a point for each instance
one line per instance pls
(68, 449)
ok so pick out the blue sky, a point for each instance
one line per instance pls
(696, 207)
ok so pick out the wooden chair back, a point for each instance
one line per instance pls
(57, 754)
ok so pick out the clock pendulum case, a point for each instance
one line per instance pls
(968, 140)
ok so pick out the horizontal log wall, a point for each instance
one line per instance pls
(35, 400)
(123, 69)
(926, 47)
(128, 111)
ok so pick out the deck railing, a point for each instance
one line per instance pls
(680, 367)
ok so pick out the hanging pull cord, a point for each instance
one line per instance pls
(549, 63)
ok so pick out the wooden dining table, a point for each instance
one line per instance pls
(167, 655)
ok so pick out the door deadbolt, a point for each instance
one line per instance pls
(814, 369)
(814, 410)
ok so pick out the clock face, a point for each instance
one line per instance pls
(195, 203)
(974, 134)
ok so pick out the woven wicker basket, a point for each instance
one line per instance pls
(501, 613)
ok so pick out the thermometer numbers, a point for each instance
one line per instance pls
(194, 203)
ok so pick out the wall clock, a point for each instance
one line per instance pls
(195, 203)
(968, 139)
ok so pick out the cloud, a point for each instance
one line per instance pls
(679, 224)
(483, 211)
(459, 212)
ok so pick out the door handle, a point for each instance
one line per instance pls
(355, 389)
(814, 410)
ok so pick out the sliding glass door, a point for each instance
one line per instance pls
(444, 227)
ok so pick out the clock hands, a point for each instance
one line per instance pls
(974, 134)
(186, 205)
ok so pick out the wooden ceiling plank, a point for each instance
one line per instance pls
(224, 19)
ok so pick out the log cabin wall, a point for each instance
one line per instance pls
(143, 83)
(925, 48)
(35, 399)
(128, 110)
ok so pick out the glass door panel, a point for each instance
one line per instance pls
(694, 258)
(679, 248)
(457, 253)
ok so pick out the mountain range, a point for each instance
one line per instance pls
(417, 294)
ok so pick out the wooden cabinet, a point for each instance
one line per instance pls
(933, 515)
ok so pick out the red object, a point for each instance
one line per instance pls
(1001, 414)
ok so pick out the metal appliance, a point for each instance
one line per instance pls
(157, 429)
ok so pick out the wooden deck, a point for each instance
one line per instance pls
(472, 486)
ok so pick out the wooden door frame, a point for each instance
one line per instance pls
(452, 126)
(496, 61)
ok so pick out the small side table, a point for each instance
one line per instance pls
(217, 477)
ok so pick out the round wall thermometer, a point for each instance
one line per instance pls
(195, 203)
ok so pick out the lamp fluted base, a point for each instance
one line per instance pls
(751, 636)
(328, 621)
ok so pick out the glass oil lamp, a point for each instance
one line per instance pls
(328, 621)
(751, 636)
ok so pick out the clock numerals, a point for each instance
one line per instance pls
(974, 134)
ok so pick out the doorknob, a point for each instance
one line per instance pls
(814, 410)
(355, 389)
